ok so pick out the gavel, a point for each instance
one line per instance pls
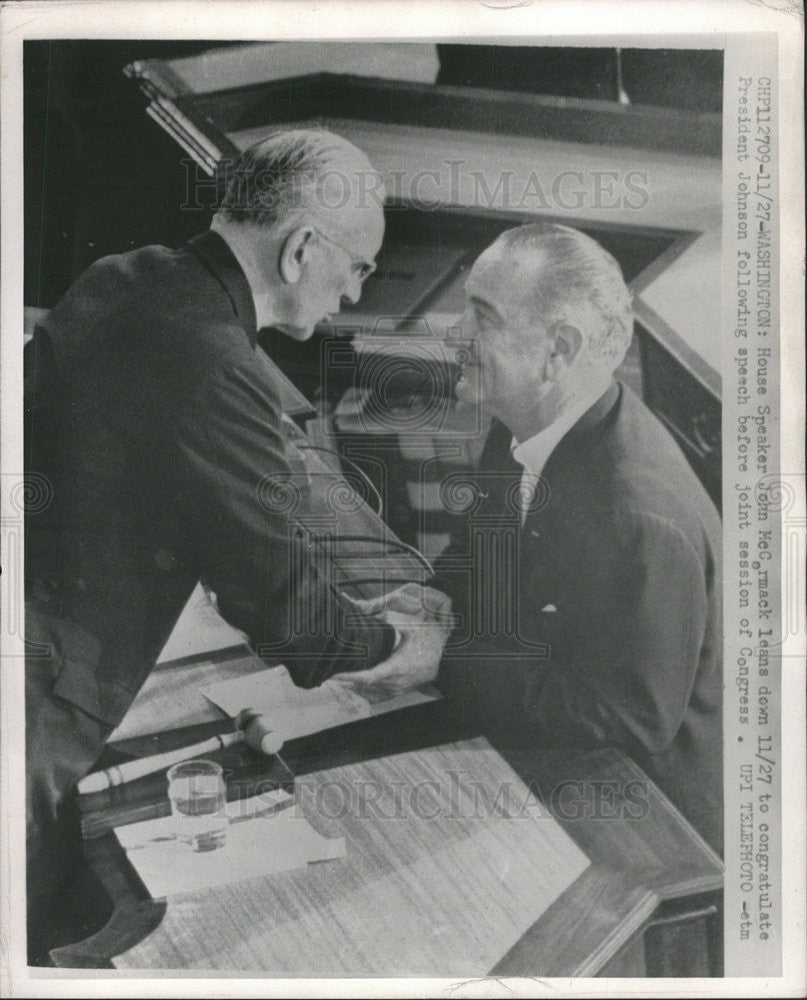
(253, 729)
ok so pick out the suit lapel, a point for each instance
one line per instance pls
(541, 562)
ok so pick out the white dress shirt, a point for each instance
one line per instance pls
(534, 453)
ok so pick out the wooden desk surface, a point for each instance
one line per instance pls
(433, 881)
(350, 908)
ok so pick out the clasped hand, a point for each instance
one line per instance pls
(422, 617)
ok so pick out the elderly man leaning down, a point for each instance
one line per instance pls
(154, 418)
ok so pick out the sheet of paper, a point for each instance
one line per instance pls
(200, 629)
(260, 841)
(294, 711)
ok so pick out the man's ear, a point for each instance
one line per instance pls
(566, 345)
(294, 254)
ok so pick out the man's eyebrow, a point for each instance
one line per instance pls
(484, 304)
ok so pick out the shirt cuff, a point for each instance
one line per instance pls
(389, 642)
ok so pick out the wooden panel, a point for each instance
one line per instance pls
(689, 408)
(435, 106)
(584, 930)
(629, 963)
(661, 848)
(260, 62)
(681, 944)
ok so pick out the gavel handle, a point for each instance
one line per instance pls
(99, 781)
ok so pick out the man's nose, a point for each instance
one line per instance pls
(352, 292)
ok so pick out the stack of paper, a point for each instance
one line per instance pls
(294, 711)
(261, 840)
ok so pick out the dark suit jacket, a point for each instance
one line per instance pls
(599, 621)
(156, 422)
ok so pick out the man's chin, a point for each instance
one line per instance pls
(298, 333)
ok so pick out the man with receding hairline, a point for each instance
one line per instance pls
(586, 576)
(156, 421)
(297, 198)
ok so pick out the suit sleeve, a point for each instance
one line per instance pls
(242, 494)
(623, 660)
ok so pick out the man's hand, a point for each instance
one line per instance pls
(412, 599)
(415, 661)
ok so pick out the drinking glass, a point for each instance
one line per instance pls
(198, 797)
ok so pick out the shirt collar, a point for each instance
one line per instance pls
(219, 259)
(534, 453)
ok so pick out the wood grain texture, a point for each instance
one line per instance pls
(449, 862)
(621, 819)
(637, 861)
(590, 924)
(171, 697)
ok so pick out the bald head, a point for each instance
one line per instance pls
(567, 277)
(301, 172)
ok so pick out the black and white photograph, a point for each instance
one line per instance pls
(403, 539)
